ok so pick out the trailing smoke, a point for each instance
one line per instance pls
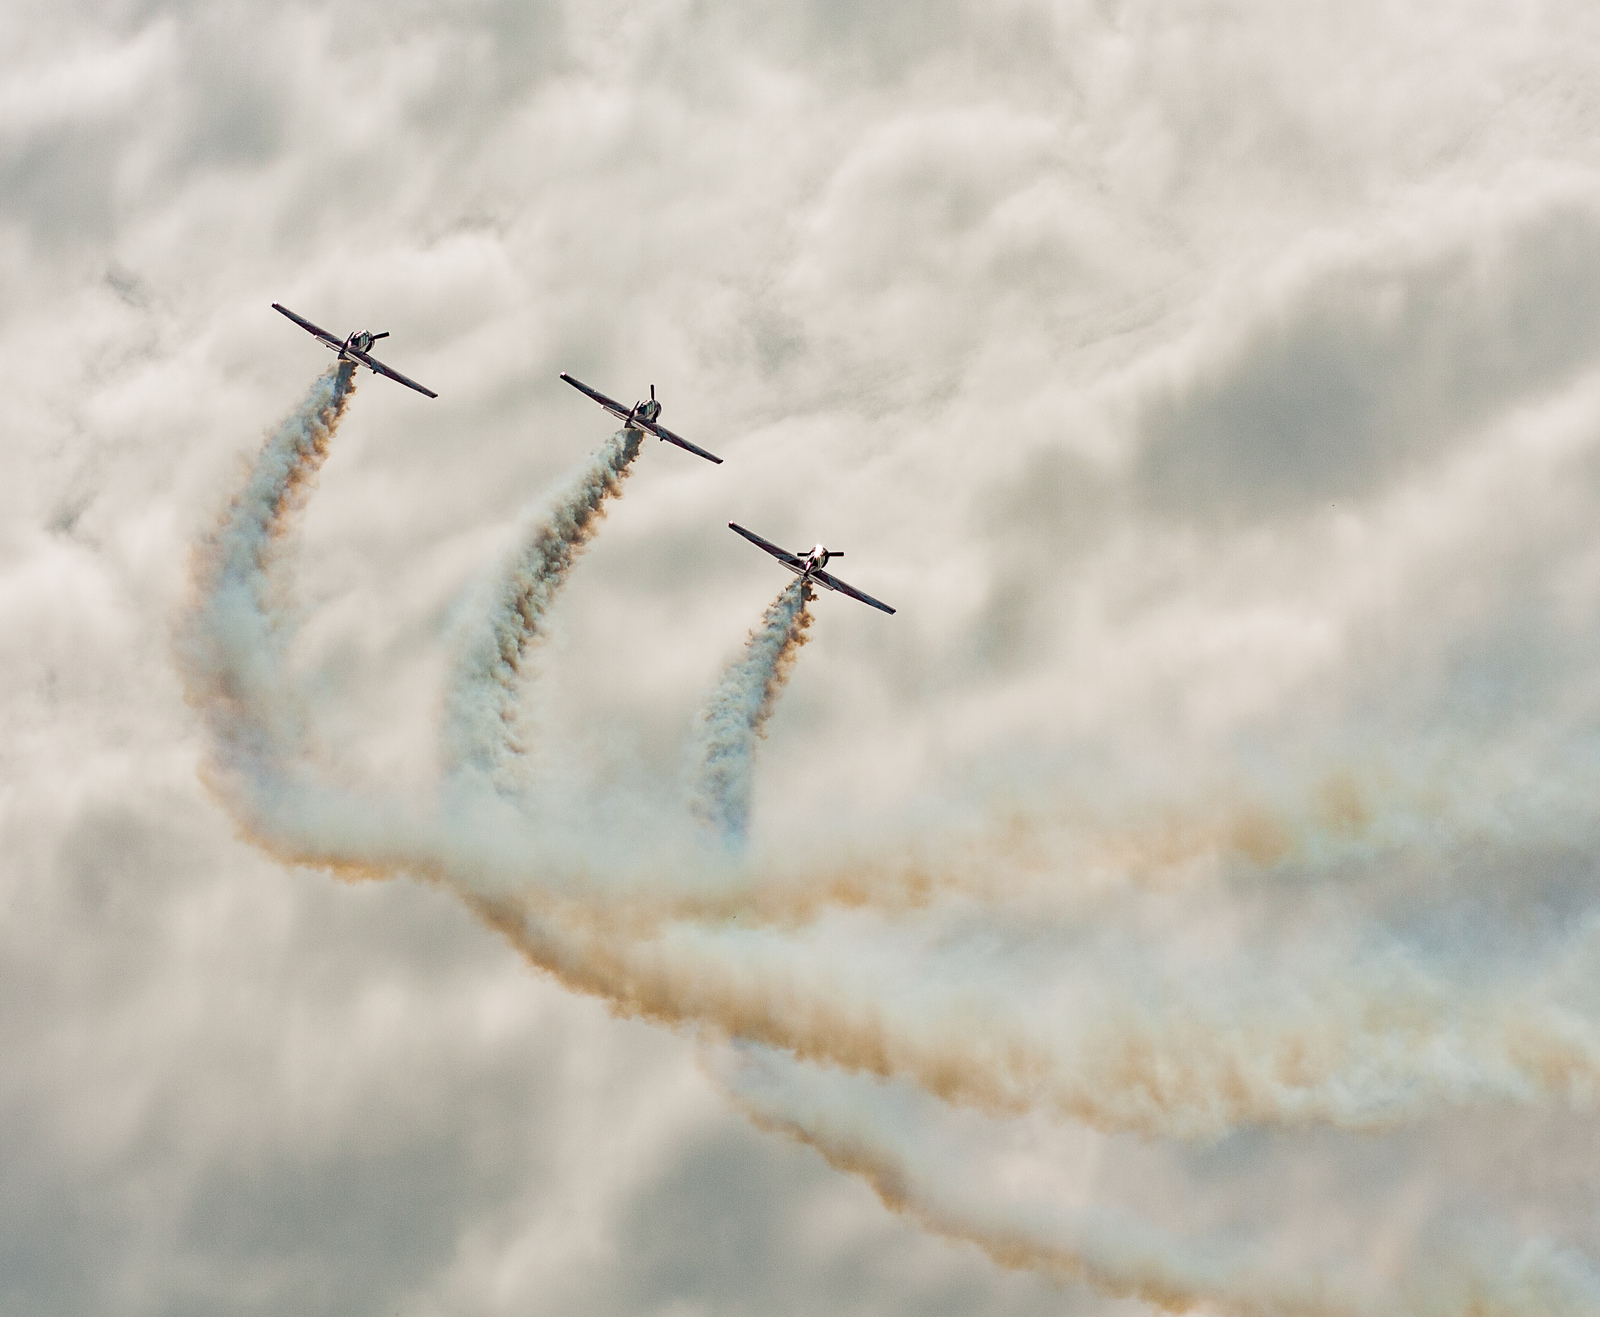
(824, 980)
(232, 644)
(1365, 1052)
(860, 1129)
(1113, 1257)
(737, 714)
(1392, 1047)
(481, 708)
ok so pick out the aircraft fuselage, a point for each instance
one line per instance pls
(811, 563)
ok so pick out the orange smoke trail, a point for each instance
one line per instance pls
(231, 646)
(736, 715)
(481, 708)
(1115, 1255)
(1190, 1075)
(1390, 1051)
(1027, 858)
(1144, 1275)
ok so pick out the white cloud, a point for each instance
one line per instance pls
(1211, 386)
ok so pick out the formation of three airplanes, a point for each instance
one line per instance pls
(808, 564)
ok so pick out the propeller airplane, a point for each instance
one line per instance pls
(355, 347)
(641, 416)
(808, 565)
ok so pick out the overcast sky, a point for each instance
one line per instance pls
(1212, 385)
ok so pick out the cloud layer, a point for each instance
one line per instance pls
(1213, 389)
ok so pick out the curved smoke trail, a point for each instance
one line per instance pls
(1364, 1051)
(1111, 1257)
(232, 644)
(737, 713)
(1196, 1075)
(481, 708)
(1392, 1048)
(859, 1133)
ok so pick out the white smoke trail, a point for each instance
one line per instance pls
(856, 1132)
(1382, 1049)
(232, 644)
(860, 1129)
(737, 713)
(233, 654)
(1354, 1046)
(481, 707)
(1192, 1073)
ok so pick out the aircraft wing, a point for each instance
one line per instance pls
(638, 422)
(610, 404)
(306, 325)
(834, 583)
(661, 432)
(392, 374)
(782, 555)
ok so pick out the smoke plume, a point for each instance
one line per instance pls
(737, 713)
(861, 1130)
(1356, 1048)
(232, 645)
(1141, 1027)
(1359, 1047)
(481, 708)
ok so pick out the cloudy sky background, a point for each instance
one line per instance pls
(1214, 388)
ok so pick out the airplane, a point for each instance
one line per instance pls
(355, 347)
(809, 564)
(641, 416)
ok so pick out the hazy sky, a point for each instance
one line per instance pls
(1214, 388)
